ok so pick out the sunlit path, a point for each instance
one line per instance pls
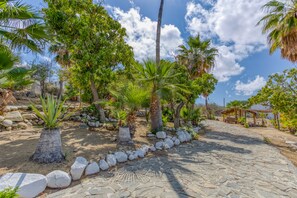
(227, 162)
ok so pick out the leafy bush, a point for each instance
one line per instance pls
(246, 125)
(121, 116)
(52, 113)
(166, 112)
(165, 120)
(9, 193)
(241, 120)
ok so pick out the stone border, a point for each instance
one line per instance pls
(59, 179)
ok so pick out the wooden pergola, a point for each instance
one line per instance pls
(238, 112)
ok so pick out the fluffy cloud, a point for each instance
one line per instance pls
(250, 87)
(142, 34)
(232, 24)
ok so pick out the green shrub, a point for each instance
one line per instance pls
(9, 193)
(121, 116)
(246, 125)
(52, 113)
(241, 120)
(165, 120)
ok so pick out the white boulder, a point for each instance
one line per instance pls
(7, 123)
(14, 116)
(58, 179)
(92, 168)
(103, 165)
(132, 157)
(152, 148)
(1, 118)
(140, 153)
(111, 160)
(173, 138)
(177, 142)
(188, 136)
(159, 145)
(166, 146)
(78, 167)
(29, 185)
(181, 136)
(121, 156)
(161, 135)
(169, 142)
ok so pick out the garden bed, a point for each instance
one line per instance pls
(16, 147)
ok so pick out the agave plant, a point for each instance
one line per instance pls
(53, 112)
(49, 147)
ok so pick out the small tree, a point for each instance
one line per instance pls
(42, 72)
(49, 147)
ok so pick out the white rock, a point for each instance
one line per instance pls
(166, 146)
(196, 129)
(153, 148)
(145, 148)
(161, 135)
(1, 118)
(132, 157)
(140, 153)
(174, 138)
(29, 116)
(7, 123)
(129, 152)
(181, 136)
(14, 116)
(78, 167)
(121, 156)
(150, 135)
(30, 185)
(188, 136)
(159, 145)
(111, 160)
(92, 168)
(103, 165)
(58, 179)
(169, 136)
(177, 142)
(169, 142)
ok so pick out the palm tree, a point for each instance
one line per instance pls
(281, 25)
(198, 56)
(161, 81)
(158, 38)
(21, 27)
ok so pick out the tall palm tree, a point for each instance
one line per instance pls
(281, 25)
(161, 80)
(158, 38)
(198, 56)
(21, 27)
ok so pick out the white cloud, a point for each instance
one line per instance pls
(142, 34)
(250, 87)
(232, 24)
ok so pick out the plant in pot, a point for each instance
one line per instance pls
(124, 130)
(49, 147)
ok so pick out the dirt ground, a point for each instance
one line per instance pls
(16, 147)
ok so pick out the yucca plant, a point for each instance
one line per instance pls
(49, 147)
(53, 112)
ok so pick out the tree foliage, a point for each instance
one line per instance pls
(280, 93)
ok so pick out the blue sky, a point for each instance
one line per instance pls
(244, 62)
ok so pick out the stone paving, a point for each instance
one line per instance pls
(227, 162)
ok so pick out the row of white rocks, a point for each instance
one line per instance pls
(31, 185)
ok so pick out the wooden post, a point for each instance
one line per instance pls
(235, 111)
(278, 122)
(254, 115)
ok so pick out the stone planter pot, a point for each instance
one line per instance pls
(49, 147)
(124, 134)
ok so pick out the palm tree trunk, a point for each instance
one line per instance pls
(60, 89)
(96, 100)
(206, 107)
(49, 147)
(156, 113)
(158, 38)
(177, 115)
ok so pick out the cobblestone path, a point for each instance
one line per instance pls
(226, 162)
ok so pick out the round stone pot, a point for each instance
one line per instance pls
(124, 134)
(49, 147)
